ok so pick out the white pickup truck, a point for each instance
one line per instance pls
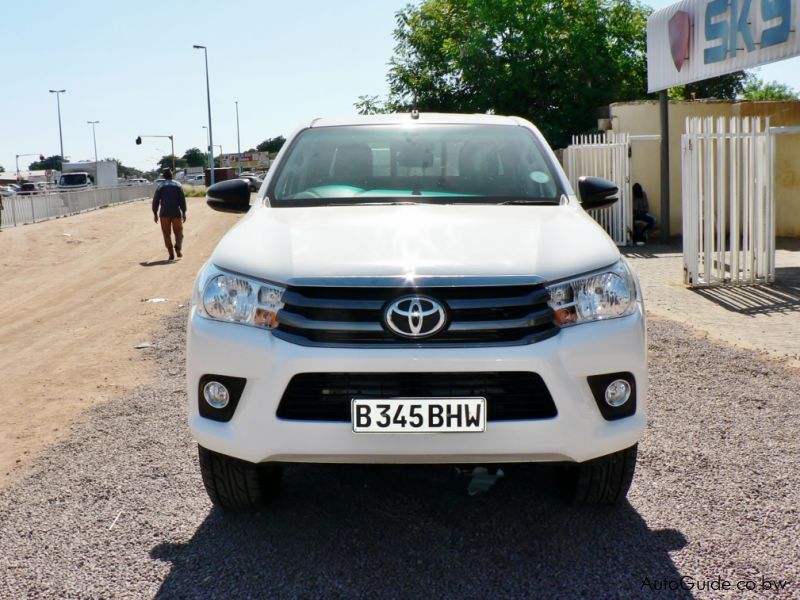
(416, 288)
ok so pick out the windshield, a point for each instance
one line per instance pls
(420, 163)
(73, 179)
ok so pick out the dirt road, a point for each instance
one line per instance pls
(73, 304)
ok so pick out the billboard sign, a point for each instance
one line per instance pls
(248, 160)
(694, 40)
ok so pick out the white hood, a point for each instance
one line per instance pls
(281, 244)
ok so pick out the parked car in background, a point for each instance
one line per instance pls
(196, 179)
(253, 181)
(28, 188)
(9, 190)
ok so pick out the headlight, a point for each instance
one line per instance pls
(236, 299)
(603, 295)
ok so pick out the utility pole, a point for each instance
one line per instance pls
(60, 137)
(94, 139)
(208, 94)
(238, 144)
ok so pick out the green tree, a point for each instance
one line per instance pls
(166, 162)
(757, 89)
(194, 157)
(272, 144)
(552, 62)
(724, 87)
(51, 162)
(2, 169)
(372, 105)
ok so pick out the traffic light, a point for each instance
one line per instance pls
(139, 140)
(41, 157)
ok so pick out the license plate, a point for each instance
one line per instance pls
(419, 415)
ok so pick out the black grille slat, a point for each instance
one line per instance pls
(387, 340)
(295, 298)
(299, 322)
(538, 296)
(530, 320)
(327, 396)
(477, 315)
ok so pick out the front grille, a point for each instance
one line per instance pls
(327, 396)
(476, 315)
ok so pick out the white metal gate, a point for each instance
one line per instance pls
(608, 156)
(728, 201)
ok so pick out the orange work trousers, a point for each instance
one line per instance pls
(168, 226)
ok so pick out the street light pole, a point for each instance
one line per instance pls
(238, 144)
(208, 95)
(208, 144)
(172, 145)
(60, 137)
(94, 139)
(16, 158)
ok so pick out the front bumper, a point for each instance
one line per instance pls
(578, 433)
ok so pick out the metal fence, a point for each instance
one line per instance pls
(20, 209)
(608, 156)
(728, 201)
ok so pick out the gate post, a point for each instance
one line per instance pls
(663, 104)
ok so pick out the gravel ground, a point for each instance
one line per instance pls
(120, 511)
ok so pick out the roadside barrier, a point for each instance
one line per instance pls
(21, 209)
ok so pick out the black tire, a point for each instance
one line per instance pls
(602, 481)
(238, 485)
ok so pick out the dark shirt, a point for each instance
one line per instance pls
(170, 196)
(640, 205)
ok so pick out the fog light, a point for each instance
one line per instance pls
(217, 395)
(618, 393)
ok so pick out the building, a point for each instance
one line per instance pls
(642, 118)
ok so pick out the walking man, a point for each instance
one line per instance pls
(169, 196)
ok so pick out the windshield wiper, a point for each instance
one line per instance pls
(393, 203)
(531, 201)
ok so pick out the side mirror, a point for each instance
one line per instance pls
(595, 192)
(232, 196)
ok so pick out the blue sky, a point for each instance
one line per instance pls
(132, 67)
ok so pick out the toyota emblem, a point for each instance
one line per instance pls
(415, 316)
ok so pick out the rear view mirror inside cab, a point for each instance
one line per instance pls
(415, 154)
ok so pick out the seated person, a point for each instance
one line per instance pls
(641, 213)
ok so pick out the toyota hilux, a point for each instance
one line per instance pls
(416, 288)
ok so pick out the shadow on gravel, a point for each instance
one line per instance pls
(391, 531)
